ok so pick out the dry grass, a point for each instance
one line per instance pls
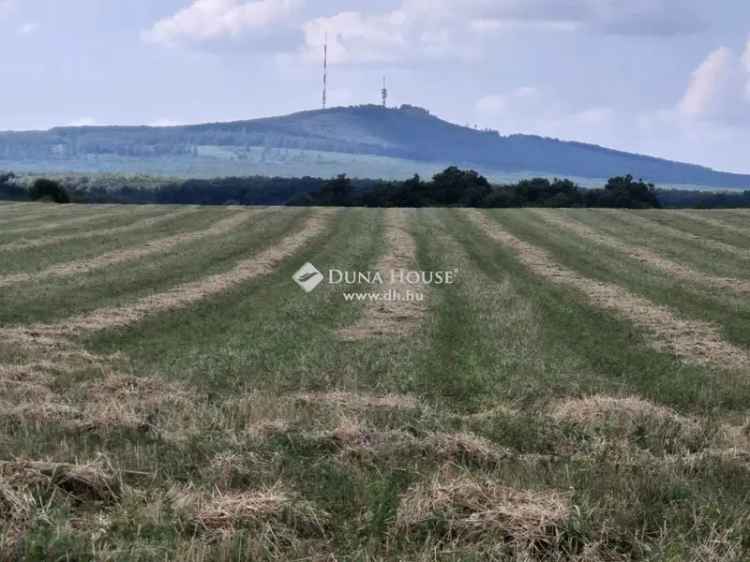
(641, 221)
(153, 247)
(463, 447)
(692, 341)
(262, 474)
(144, 404)
(16, 502)
(392, 317)
(460, 510)
(94, 484)
(704, 218)
(275, 509)
(646, 256)
(359, 401)
(105, 400)
(58, 239)
(95, 481)
(621, 412)
(117, 403)
(184, 295)
(355, 440)
(622, 423)
(76, 221)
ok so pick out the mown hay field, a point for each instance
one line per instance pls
(168, 392)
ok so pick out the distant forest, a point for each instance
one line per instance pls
(451, 188)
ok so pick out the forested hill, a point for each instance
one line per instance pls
(383, 139)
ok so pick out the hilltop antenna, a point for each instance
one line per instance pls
(325, 72)
(384, 93)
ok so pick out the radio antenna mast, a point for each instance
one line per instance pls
(384, 93)
(325, 72)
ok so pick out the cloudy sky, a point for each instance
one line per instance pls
(664, 77)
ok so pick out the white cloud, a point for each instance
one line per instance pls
(357, 37)
(520, 100)
(28, 28)
(6, 7)
(206, 20)
(83, 122)
(415, 30)
(711, 118)
(746, 63)
(457, 28)
(164, 122)
(718, 88)
(636, 17)
(535, 111)
(707, 82)
(340, 96)
(644, 17)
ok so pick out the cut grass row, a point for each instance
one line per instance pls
(45, 240)
(725, 309)
(51, 299)
(51, 219)
(486, 384)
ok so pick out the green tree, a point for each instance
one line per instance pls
(625, 192)
(337, 191)
(48, 190)
(459, 187)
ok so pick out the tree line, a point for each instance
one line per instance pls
(452, 187)
(466, 188)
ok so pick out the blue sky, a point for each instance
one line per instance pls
(664, 77)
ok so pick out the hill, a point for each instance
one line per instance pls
(361, 141)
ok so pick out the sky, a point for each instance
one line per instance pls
(669, 78)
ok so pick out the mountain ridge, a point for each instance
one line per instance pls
(407, 133)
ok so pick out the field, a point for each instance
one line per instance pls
(168, 392)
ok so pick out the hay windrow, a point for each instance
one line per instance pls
(11, 208)
(352, 439)
(108, 402)
(712, 222)
(121, 401)
(598, 408)
(263, 263)
(461, 510)
(394, 317)
(31, 212)
(359, 401)
(278, 506)
(623, 415)
(16, 503)
(45, 411)
(160, 246)
(93, 481)
(463, 447)
(75, 221)
(644, 222)
(58, 239)
(693, 341)
(644, 255)
(262, 415)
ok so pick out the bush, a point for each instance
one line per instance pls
(48, 190)
(10, 190)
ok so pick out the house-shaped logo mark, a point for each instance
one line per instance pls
(308, 277)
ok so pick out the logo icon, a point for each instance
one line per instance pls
(308, 277)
